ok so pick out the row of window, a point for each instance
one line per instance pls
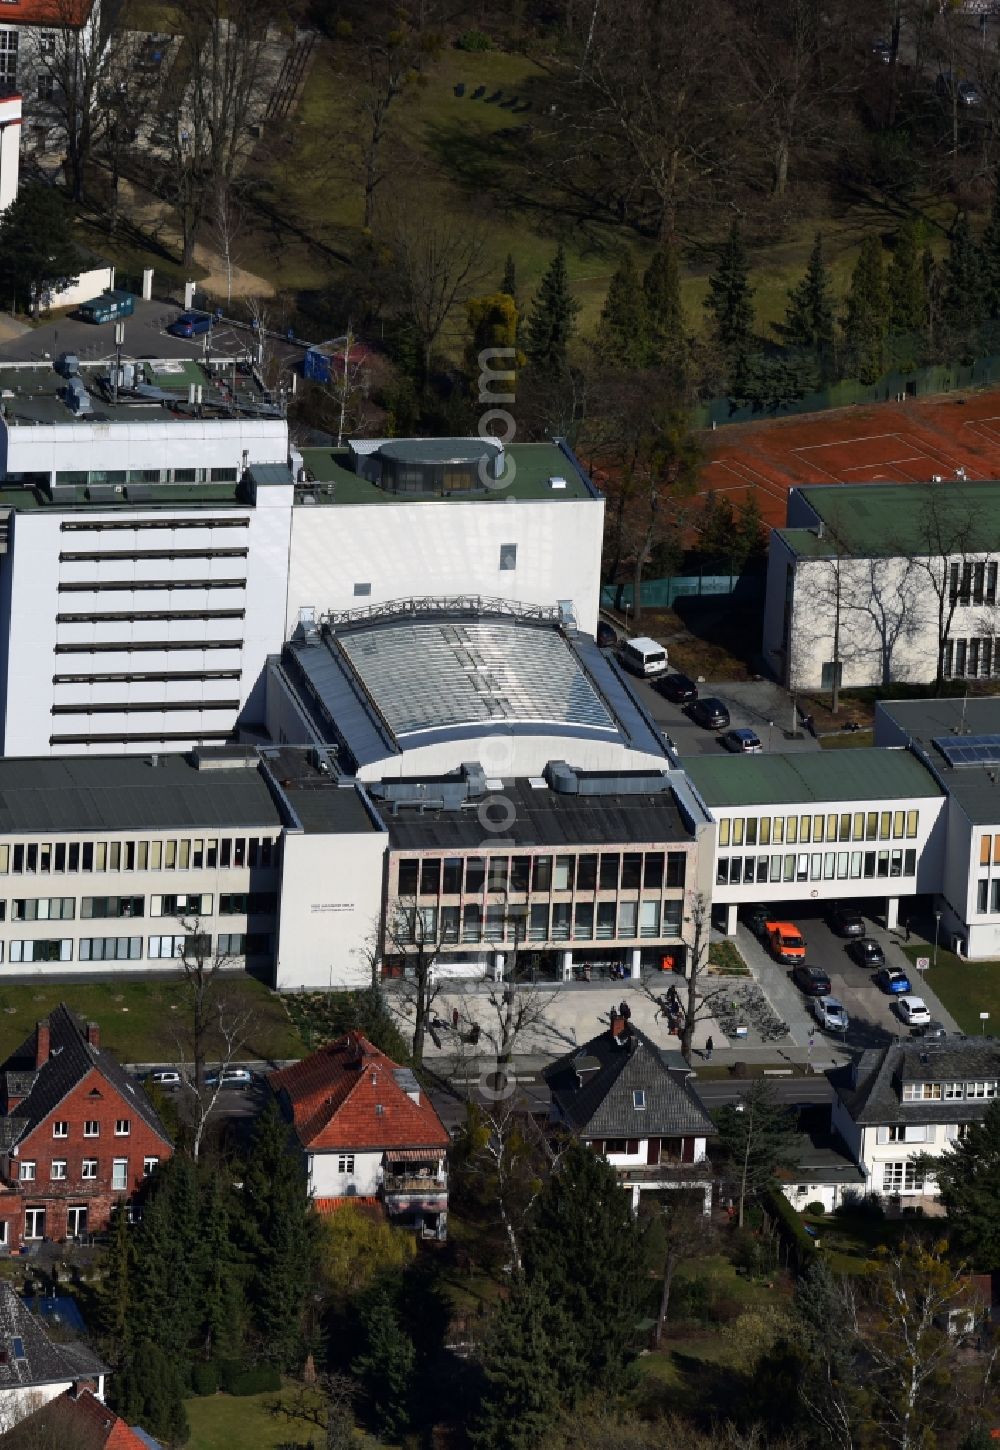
(801, 830)
(972, 583)
(89, 1170)
(136, 616)
(136, 586)
(918, 1132)
(134, 556)
(814, 866)
(186, 854)
(936, 1092)
(148, 475)
(989, 846)
(200, 736)
(971, 659)
(134, 646)
(562, 921)
(146, 677)
(988, 895)
(903, 1177)
(129, 948)
(104, 526)
(142, 707)
(91, 1128)
(611, 871)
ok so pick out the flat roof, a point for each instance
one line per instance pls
(323, 802)
(77, 794)
(153, 496)
(539, 816)
(534, 464)
(886, 519)
(866, 774)
(975, 787)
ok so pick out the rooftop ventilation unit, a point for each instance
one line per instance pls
(557, 483)
(77, 398)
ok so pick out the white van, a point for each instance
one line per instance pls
(643, 656)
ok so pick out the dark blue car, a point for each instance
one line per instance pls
(191, 324)
(893, 980)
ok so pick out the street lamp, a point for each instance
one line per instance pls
(984, 1017)
(937, 932)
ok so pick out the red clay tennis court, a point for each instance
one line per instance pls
(882, 443)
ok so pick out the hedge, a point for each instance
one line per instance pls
(802, 1247)
(240, 1379)
(204, 1378)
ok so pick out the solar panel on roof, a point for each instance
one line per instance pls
(969, 749)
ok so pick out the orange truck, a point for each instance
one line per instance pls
(786, 941)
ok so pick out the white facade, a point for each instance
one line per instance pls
(331, 904)
(10, 149)
(885, 1152)
(346, 556)
(344, 1174)
(126, 629)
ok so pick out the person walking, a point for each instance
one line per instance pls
(709, 1049)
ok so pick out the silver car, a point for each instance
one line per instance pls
(830, 1013)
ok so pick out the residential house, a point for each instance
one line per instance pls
(620, 1097)
(367, 1131)
(78, 1419)
(824, 1171)
(910, 1098)
(77, 1135)
(34, 1369)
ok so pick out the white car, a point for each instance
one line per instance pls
(830, 1013)
(913, 1010)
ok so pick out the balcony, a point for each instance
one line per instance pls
(425, 1183)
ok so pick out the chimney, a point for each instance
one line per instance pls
(618, 1029)
(94, 1035)
(41, 1043)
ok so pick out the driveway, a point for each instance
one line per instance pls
(755, 704)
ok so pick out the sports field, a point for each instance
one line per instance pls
(884, 443)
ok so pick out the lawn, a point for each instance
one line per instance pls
(847, 740)
(136, 1017)
(965, 988)
(223, 1422)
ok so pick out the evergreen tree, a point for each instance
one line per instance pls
(716, 527)
(277, 1228)
(866, 322)
(218, 1270)
(149, 1392)
(522, 1356)
(37, 251)
(668, 344)
(962, 302)
(977, 1437)
(906, 284)
(508, 284)
(730, 297)
(751, 531)
(757, 1136)
(584, 1240)
(968, 1178)
(115, 1294)
(989, 249)
(492, 348)
(552, 320)
(623, 331)
(165, 1249)
(809, 317)
(385, 1366)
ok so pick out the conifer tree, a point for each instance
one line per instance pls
(668, 344)
(717, 526)
(585, 1242)
(751, 531)
(115, 1295)
(165, 1247)
(522, 1356)
(906, 284)
(622, 333)
(149, 1392)
(730, 297)
(219, 1272)
(552, 320)
(989, 249)
(809, 316)
(866, 322)
(962, 302)
(385, 1366)
(969, 1187)
(508, 284)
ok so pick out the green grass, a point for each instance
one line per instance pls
(224, 1422)
(847, 740)
(847, 1243)
(965, 988)
(137, 1018)
(725, 960)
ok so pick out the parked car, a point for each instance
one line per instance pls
(968, 92)
(232, 1077)
(677, 688)
(845, 920)
(830, 1013)
(742, 742)
(607, 636)
(757, 918)
(812, 981)
(882, 50)
(164, 1077)
(191, 324)
(932, 1031)
(913, 1011)
(786, 941)
(710, 712)
(867, 953)
(893, 980)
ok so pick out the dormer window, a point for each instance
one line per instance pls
(980, 1090)
(922, 1092)
(639, 1099)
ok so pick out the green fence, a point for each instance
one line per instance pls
(921, 382)
(662, 593)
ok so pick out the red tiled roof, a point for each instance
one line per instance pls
(334, 1205)
(346, 1096)
(80, 1421)
(61, 13)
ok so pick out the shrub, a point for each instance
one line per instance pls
(204, 1378)
(253, 1380)
(690, 1299)
(791, 1227)
(754, 1334)
(755, 1254)
(473, 40)
(815, 1208)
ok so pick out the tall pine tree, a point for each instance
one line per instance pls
(219, 1270)
(552, 320)
(525, 1370)
(906, 284)
(730, 297)
(809, 317)
(386, 1365)
(668, 343)
(962, 301)
(149, 1392)
(866, 321)
(623, 331)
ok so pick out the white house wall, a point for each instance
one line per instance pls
(434, 547)
(327, 1181)
(331, 901)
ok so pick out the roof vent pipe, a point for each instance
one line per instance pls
(819, 529)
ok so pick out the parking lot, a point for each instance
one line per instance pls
(873, 1020)
(758, 705)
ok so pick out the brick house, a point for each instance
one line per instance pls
(80, 1420)
(367, 1132)
(77, 1135)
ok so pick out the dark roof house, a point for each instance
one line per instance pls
(911, 1083)
(30, 1360)
(78, 1420)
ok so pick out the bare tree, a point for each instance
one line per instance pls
(228, 220)
(698, 1004)
(217, 1023)
(941, 539)
(125, 98)
(514, 1157)
(440, 263)
(687, 1235)
(884, 599)
(414, 932)
(73, 59)
(658, 483)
